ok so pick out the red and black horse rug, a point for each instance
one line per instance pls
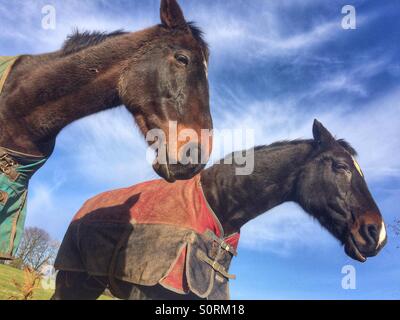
(151, 234)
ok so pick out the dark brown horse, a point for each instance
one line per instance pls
(159, 74)
(321, 175)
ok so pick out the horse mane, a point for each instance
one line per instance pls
(346, 145)
(78, 40)
(198, 34)
(281, 143)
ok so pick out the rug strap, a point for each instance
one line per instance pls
(215, 265)
(211, 235)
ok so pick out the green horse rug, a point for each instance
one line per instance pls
(16, 169)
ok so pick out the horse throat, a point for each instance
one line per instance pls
(238, 199)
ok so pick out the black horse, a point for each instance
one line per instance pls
(321, 175)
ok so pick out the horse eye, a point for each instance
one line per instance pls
(182, 59)
(340, 166)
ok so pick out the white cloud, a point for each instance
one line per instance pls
(84, 15)
(264, 32)
(46, 209)
(372, 127)
(352, 79)
(284, 229)
(107, 149)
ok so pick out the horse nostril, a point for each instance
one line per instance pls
(372, 232)
(191, 154)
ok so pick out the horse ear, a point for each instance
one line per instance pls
(171, 14)
(321, 135)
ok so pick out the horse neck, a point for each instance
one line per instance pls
(238, 199)
(46, 93)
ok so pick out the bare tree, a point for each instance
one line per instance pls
(36, 249)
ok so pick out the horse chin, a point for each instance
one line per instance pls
(163, 171)
(352, 250)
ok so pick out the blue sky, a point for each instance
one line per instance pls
(274, 67)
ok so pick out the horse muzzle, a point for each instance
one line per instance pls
(366, 241)
(188, 165)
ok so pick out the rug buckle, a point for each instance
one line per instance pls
(6, 166)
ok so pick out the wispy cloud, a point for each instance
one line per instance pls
(284, 229)
(352, 79)
(45, 208)
(23, 28)
(107, 149)
(264, 31)
(275, 120)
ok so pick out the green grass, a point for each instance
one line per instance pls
(7, 287)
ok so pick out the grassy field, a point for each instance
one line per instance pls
(7, 287)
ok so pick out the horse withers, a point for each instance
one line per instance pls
(159, 74)
(161, 241)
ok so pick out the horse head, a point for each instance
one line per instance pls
(332, 188)
(165, 87)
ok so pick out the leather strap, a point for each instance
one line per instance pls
(214, 264)
(3, 197)
(8, 165)
(221, 242)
